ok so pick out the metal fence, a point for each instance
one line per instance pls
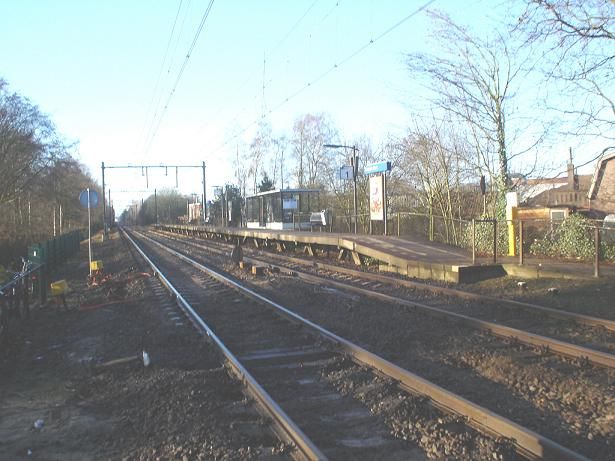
(19, 287)
(588, 241)
(16, 290)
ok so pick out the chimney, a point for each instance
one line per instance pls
(573, 180)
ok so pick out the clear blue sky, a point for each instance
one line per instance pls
(94, 66)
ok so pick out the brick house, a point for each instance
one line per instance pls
(549, 198)
(570, 191)
(601, 194)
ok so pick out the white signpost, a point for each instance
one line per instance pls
(89, 199)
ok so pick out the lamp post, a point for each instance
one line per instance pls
(354, 162)
(219, 192)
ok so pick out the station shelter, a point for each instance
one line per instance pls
(282, 209)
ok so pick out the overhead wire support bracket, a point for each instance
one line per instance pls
(144, 172)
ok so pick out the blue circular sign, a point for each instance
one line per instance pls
(83, 198)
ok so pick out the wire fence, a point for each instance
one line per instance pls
(573, 238)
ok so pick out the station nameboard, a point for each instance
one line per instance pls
(379, 167)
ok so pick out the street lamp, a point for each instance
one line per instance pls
(219, 192)
(354, 162)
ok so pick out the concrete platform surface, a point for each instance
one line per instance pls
(426, 260)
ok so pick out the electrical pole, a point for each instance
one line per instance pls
(103, 200)
(156, 206)
(204, 196)
(110, 208)
(355, 173)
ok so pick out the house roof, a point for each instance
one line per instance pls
(277, 191)
(596, 179)
(533, 187)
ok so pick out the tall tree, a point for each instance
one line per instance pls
(475, 82)
(310, 132)
(39, 179)
(577, 38)
(169, 204)
(259, 148)
(436, 163)
(28, 144)
(266, 184)
(278, 166)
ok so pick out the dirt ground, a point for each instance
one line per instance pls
(62, 399)
(591, 297)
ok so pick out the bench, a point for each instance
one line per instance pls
(318, 219)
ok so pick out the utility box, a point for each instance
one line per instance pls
(59, 288)
(96, 265)
(37, 254)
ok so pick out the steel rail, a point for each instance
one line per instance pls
(511, 303)
(561, 347)
(600, 358)
(549, 311)
(285, 427)
(527, 442)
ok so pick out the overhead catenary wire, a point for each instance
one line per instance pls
(324, 74)
(180, 74)
(157, 104)
(162, 66)
(271, 53)
(293, 27)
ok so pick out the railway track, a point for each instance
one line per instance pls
(276, 351)
(539, 385)
(536, 326)
(544, 311)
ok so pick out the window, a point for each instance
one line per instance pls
(558, 215)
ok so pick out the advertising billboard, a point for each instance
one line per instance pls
(376, 198)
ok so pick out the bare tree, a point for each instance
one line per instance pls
(309, 134)
(280, 146)
(474, 82)
(39, 179)
(577, 38)
(436, 164)
(259, 147)
(28, 144)
(240, 166)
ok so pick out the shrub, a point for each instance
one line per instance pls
(573, 238)
(484, 237)
(607, 251)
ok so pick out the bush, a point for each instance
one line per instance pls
(484, 238)
(607, 251)
(573, 238)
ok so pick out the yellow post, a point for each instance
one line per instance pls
(511, 216)
(512, 202)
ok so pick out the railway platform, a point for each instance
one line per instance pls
(423, 260)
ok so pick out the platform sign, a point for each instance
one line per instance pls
(346, 172)
(380, 167)
(376, 198)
